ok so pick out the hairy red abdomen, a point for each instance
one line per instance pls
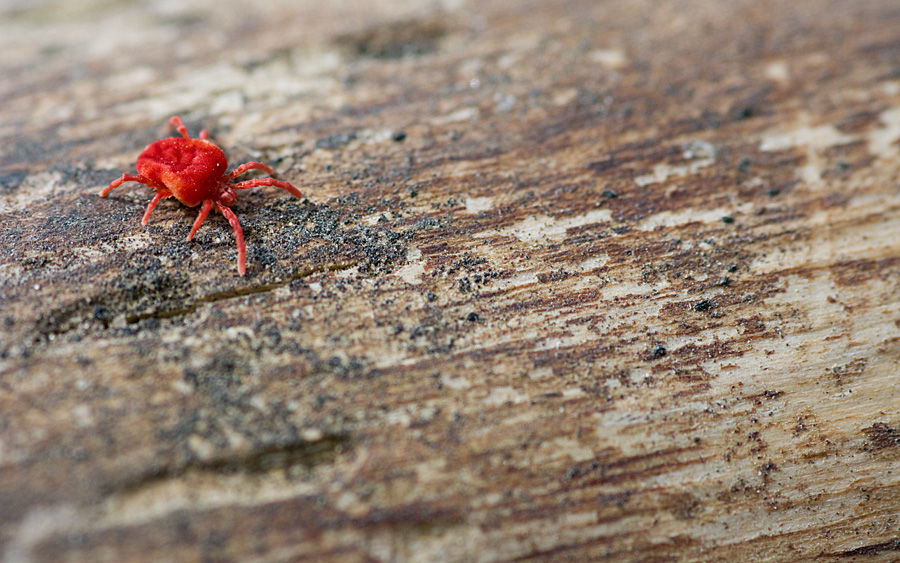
(191, 169)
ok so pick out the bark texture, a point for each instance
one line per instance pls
(572, 280)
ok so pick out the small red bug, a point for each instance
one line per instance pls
(193, 172)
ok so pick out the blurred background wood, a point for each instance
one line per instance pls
(573, 280)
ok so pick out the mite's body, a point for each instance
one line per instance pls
(193, 172)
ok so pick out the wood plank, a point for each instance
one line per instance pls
(570, 280)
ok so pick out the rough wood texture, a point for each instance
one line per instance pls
(574, 280)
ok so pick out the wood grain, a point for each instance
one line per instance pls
(572, 280)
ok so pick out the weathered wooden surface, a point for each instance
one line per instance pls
(574, 280)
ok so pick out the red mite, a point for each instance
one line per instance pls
(193, 172)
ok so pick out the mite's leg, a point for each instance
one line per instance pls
(176, 122)
(204, 211)
(238, 235)
(129, 178)
(247, 166)
(160, 194)
(268, 182)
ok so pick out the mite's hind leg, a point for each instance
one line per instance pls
(129, 178)
(161, 194)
